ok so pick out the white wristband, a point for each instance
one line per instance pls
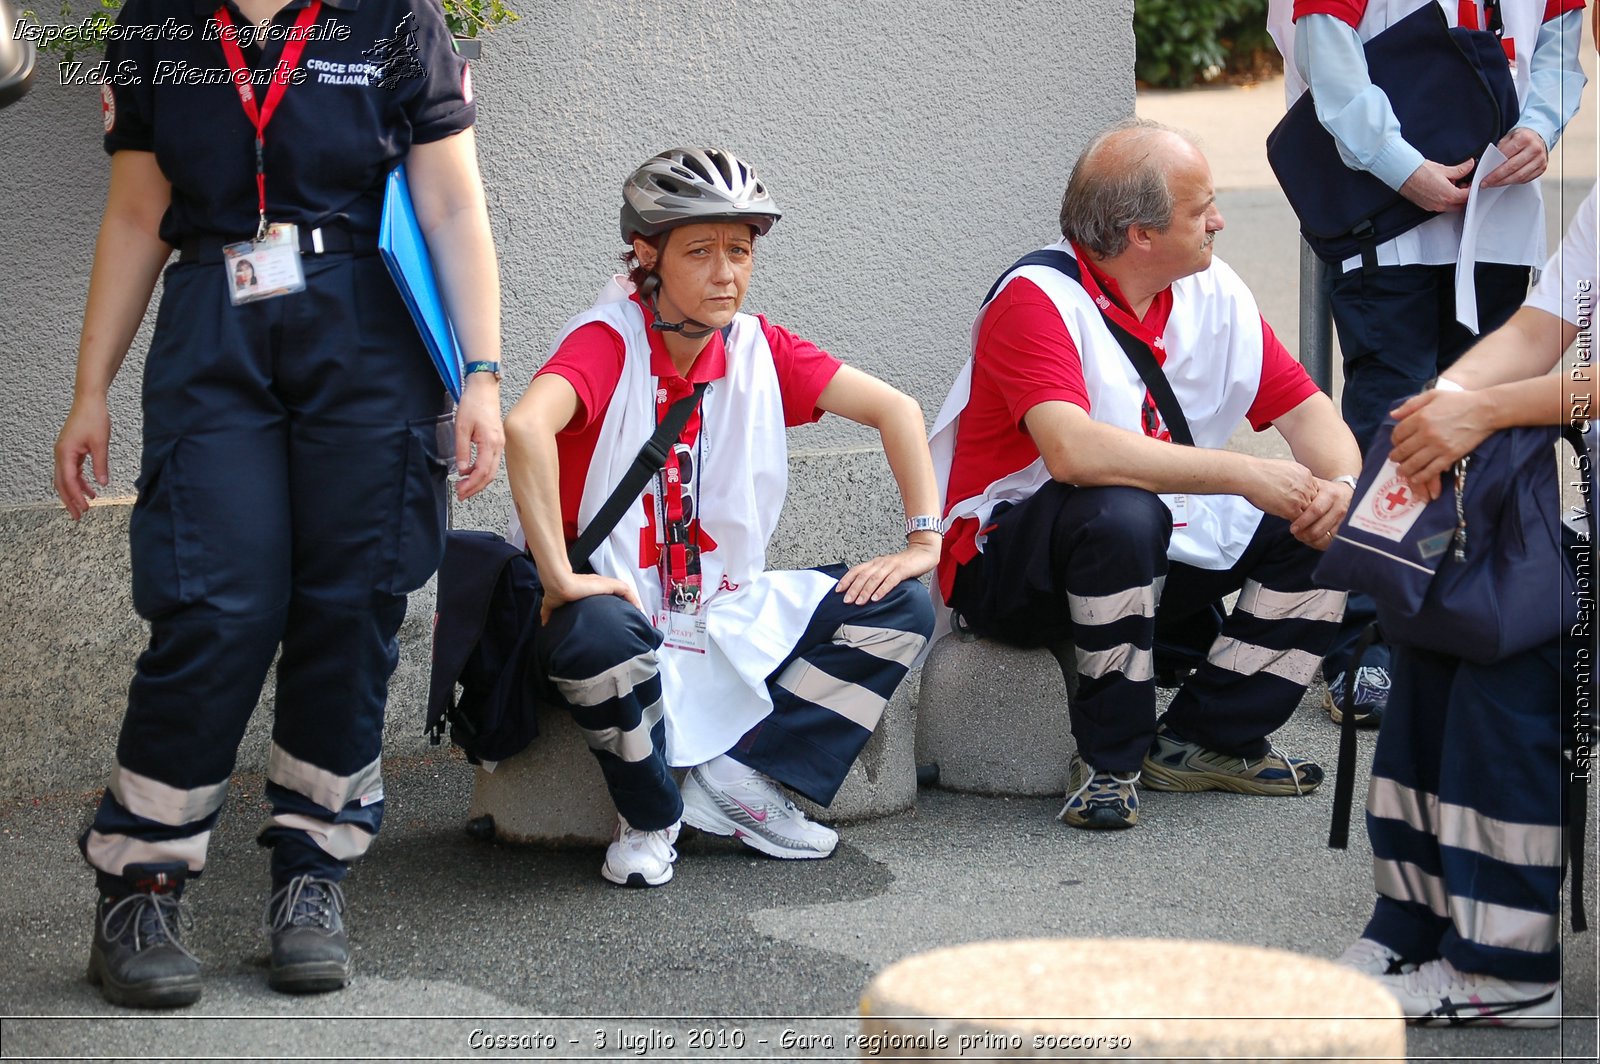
(1444, 384)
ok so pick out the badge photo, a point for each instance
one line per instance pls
(265, 268)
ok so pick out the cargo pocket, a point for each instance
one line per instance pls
(419, 535)
(167, 574)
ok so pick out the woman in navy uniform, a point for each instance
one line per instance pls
(296, 440)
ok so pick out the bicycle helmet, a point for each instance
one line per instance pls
(685, 185)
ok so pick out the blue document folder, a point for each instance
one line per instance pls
(405, 252)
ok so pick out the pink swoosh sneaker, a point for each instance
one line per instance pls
(755, 812)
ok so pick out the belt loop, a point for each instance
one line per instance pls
(316, 240)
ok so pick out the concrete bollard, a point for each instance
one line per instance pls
(552, 794)
(994, 718)
(1153, 999)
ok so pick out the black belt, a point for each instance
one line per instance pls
(320, 241)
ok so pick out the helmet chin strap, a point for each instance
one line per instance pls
(700, 331)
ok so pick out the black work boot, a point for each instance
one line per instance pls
(137, 959)
(310, 950)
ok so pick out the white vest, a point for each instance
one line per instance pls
(1438, 240)
(1213, 362)
(754, 618)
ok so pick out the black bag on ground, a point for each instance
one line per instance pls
(1452, 91)
(488, 616)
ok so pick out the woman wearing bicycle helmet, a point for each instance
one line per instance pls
(680, 648)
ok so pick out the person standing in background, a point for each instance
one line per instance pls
(1397, 322)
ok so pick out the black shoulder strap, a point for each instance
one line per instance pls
(1143, 361)
(652, 456)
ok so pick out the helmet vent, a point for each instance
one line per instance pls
(699, 171)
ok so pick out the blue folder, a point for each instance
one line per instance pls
(405, 252)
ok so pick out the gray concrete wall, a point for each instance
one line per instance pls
(915, 151)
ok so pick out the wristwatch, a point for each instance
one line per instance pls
(481, 367)
(923, 523)
(1344, 479)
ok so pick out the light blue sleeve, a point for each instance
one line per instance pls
(1555, 78)
(1328, 53)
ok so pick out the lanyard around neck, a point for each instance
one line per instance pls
(242, 82)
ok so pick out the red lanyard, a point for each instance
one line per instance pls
(675, 530)
(242, 76)
(1467, 17)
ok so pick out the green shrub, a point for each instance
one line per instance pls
(1181, 42)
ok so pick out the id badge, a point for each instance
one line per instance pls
(1179, 505)
(265, 268)
(685, 627)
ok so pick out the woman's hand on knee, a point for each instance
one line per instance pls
(870, 581)
(575, 586)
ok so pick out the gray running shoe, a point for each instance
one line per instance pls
(1099, 799)
(1371, 696)
(1174, 764)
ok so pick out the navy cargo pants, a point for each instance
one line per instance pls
(1090, 565)
(827, 695)
(291, 493)
(1464, 813)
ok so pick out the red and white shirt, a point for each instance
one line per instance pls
(591, 360)
(1042, 339)
(1513, 230)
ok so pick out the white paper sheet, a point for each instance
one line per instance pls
(1517, 218)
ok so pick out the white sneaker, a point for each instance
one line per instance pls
(1437, 994)
(1371, 957)
(640, 858)
(756, 813)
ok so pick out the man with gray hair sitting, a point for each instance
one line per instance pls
(1075, 511)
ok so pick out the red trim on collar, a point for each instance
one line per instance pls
(712, 363)
(1107, 295)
